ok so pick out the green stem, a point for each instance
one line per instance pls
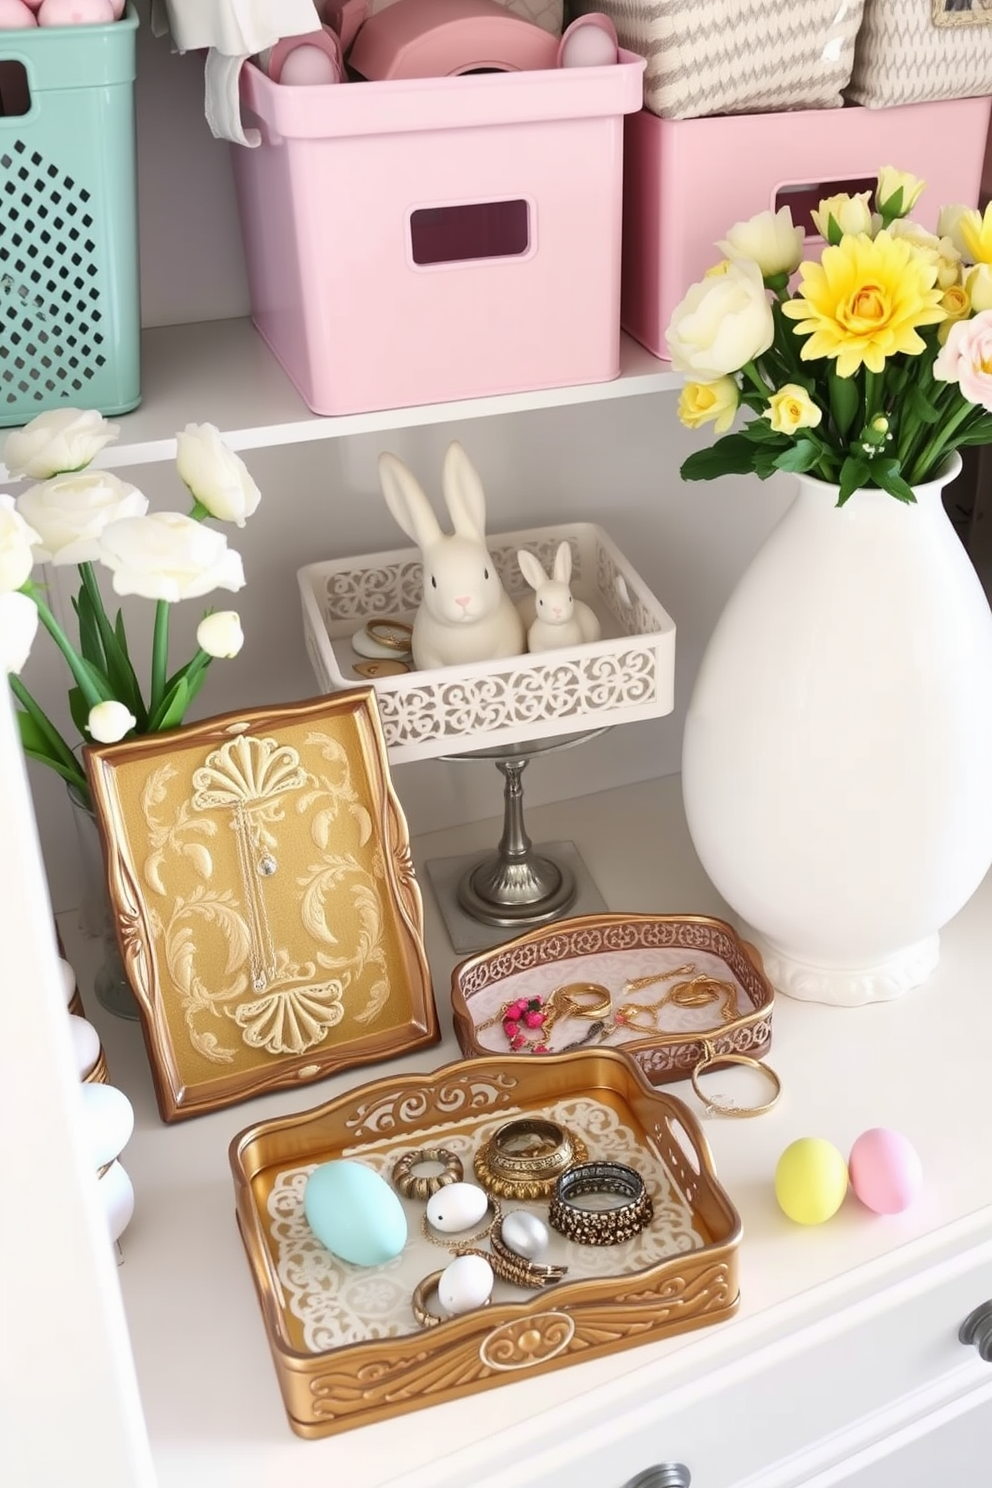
(160, 656)
(750, 371)
(104, 626)
(81, 676)
(61, 757)
(926, 461)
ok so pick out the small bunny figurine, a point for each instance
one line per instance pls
(561, 619)
(465, 614)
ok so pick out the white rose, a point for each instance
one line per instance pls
(18, 624)
(215, 475)
(70, 511)
(166, 555)
(769, 239)
(941, 252)
(220, 634)
(852, 214)
(64, 439)
(724, 322)
(108, 722)
(949, 225)
(16, 542)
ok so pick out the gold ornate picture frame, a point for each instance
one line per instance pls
(962, 12)
(265, 901)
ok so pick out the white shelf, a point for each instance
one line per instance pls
(208, 1384)
(221, 372)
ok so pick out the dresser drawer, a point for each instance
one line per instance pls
(733, 1414)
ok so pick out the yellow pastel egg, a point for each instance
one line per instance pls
(810, 1180)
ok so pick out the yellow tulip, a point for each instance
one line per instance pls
(790, 409)
(709, 403)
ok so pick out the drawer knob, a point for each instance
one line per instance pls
(662, 1475)
(977, 1329)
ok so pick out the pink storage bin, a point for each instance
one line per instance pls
(688, 180)
(438, 238)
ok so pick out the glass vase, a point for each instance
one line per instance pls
(110, 985)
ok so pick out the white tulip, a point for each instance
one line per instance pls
(166, 555)
(70, 512)
(949, 224)
(109, 722)
(770, 239)
(220, 634)
(17, 540)
(18, 625)
(63, 439)
(723, 323)
(217, 478)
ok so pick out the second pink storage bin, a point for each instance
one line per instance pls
(688, 180)
(439, 238)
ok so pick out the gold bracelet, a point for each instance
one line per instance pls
(422, 1186)
(418, 1302)
(533, 1172)
(456, 1243)
(395, 635)
(712, 1060)
(601, 1226)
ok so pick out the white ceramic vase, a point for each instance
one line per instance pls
(837, 762)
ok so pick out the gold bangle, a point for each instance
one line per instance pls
(601, 1226)
(711, 1059)
(395, 635)
(532, 1173)
(418, 1302)
(421, 1186)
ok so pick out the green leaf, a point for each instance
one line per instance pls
(854, 473)
(731, 455)
(90, 644)
(845, 399)
(803, 455)
(919, 405)
(79, 709)
(170, 712)
(887, 474)
(99, 681)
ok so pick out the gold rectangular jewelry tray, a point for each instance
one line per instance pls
(346, 1346)
(639, 962)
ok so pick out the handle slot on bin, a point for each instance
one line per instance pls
(803, 197)
(471, 230)
(15, 95)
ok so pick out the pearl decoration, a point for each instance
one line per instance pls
(466, 1284)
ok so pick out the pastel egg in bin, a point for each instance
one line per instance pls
(810, 1180)
(886, 1172)
(355, 1213)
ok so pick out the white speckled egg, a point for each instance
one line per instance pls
(457, 1207)
(525, 1235)
(85, 1043)
(466, 1284)
(355, 1213)
(108, 1118)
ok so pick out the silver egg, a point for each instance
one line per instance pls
(525, 1235)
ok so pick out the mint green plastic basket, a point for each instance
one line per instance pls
(70, 318)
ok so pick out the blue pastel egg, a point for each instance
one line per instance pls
(354, 1213)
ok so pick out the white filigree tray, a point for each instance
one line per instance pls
(626, 675)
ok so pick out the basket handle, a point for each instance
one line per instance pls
(803, 197)
(17, 98)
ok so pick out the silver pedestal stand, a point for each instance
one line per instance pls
(486, 898)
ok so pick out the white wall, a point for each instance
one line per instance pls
(614, 463)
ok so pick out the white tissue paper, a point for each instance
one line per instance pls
(230, 31)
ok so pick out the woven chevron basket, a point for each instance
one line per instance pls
(737, 56)
(905, 55)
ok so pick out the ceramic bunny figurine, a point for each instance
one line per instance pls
(465, 614)
(560, 618)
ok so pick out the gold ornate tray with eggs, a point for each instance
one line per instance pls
(675, 992)
(346, 1341)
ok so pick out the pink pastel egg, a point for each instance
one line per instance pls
(308, 66)
(75, 13)
(885, 1169)
(15, 16)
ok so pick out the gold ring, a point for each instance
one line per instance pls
(418, 1302)
(601, 1226)
(421, 1186)
(395, 635)
(530, 1173)
(711, 1059)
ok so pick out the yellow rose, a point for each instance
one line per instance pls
(957, 302)
(978, 287)
(722, 324)
(976, 231)
(792, 408)
(951, 221)
(897, 192)
(770, 239)
(852, 214)
(709, 402)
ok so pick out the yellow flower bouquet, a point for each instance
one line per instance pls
(870, 372)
